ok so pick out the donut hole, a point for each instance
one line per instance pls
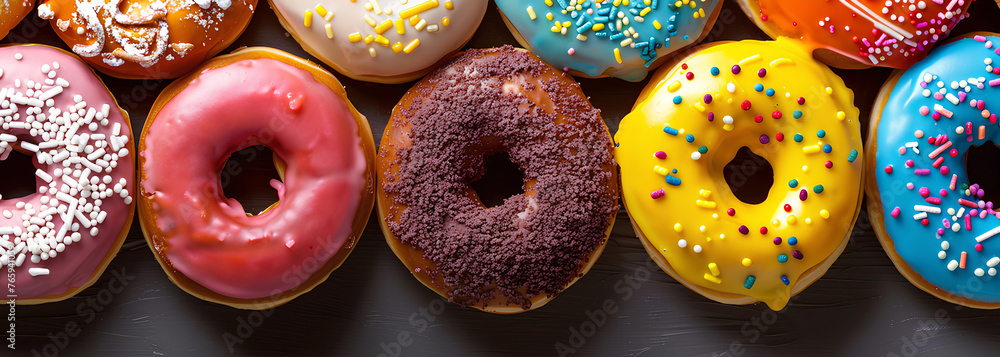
(501, 179)
(749, 176)
(246, 174)
(982, 171)
(18, 176)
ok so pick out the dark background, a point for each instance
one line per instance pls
(624, 306)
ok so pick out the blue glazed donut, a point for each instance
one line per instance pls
(599, 38)
(932, 221)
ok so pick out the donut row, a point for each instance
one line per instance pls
(396, 41)
(723, 107)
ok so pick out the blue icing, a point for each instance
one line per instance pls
(595, 56)
(915, 243)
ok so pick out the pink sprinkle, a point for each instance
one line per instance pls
(954, 180)
(924, 192)
(943, 192)
(968, 222)
(888, 169)
(922, 25)
(937, 163)
(989, 44)
(902, 150)
(940, 231)
(933, 200)
(922, 172)
(994, 82)
(661, 155)
(908, 163)
(571, 51)
(895, 212)
(979, 38)
(657, 194)
(909, 185)
(924, 109)
(961, 97)
(939, 150)
(967, 203)
(919, 133)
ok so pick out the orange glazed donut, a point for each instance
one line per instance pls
(519, 255)
(324, 150)
(860, 33)
(11, 13)
(59, 239)
(147, 38)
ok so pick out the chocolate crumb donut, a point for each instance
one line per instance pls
(519, 255)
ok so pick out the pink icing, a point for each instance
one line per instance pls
(208, 236)
(73, 267)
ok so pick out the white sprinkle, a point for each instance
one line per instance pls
(929, 209)
(38, 271)
(682, 243)
(988, 234)
(952, 265)
(993, 262)
(920, 216)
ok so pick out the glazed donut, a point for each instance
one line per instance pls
(387, 41)
(11, 13)
(324, 152)
(603, 38)
(147, 38)
(858, 34)
(931, 218)
(691, 121)
(519, 255)
(54, 108)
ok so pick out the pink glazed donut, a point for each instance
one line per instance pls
(206, 242)
(60, 239)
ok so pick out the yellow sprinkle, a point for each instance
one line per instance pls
(382, 40)
(727, 127)
(705, 204)
(704, 193)
(702, 229)
(328, 17)
(645, 11)
(674, 86)
(369, 39)
(626, 42)
(354, 37)
(548, 2)
(824, 213)
(376, 7)
(747, 262)
(329, 31)
(420, 25)
(371, 22)
(678, 228)
(320, 10)
(811, 149)
(549, 16)
(661, 170)
(708, 239)
(781, 62)
(829, 90)
(656, 25)
(713, 279)
(701, 11)
(581, 37)
(809, 220)
(448, 5)
(554, 29)
(400, 26)
(383, 27)
(445, 21)
(841, 115)
(597, 27)
(617, 2)
(750, 59)
(696, 15)
(531, 13)
(411, 46)
(700, 107)
(414, 20)
(792, 219)
(397, 47)
(418, 8)
(371, 51)
(618, 56)
(775, 222)
(567, 24)
(308, 21)
(368, 6)
(712, 267)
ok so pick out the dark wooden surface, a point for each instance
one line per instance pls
(623, 307)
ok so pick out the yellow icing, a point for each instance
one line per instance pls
(728, 257)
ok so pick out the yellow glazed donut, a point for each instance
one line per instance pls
(690, 122)
(385, 41)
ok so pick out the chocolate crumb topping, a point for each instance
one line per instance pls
(536, 242)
